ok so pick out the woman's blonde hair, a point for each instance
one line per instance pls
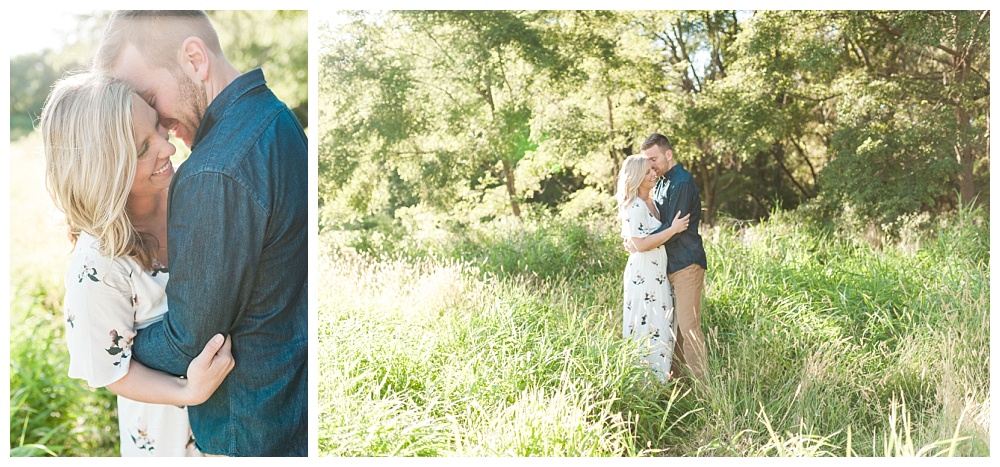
(90, 162)
(629, 178)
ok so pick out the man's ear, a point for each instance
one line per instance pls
(194, 59)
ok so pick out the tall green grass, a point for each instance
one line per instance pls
(51, 414)
(504, 339)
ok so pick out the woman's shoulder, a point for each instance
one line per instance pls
(628, 212)
(638, 209)
(89, 265)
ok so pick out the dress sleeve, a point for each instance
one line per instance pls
(100, 319)
(635, 222)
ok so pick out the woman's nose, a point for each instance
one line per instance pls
(170, 150)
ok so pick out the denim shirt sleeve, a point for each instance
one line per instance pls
(215, 230)
(685, 193)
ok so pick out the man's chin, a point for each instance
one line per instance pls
(183, 136)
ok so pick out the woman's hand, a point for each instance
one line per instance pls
(208, 369)
(629, 245)
(680, 224)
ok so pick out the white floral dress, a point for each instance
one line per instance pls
(648, 297)
(107, 300)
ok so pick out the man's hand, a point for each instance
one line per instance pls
(209, 368)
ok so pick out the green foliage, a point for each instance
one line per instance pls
(765, 108)
(441, 100)
(908, 154)
(52, 414)
(31, 77)
(276, 41)
(912, 108)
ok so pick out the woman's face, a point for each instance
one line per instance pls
(649, 181)
(153, 170)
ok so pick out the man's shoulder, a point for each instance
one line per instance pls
(681, 177)
(246, 128)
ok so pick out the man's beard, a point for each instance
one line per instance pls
(195, 104)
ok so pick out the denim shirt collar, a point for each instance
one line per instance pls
(240, 86)
(673, 171)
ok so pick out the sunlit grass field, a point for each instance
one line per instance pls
(503, 339)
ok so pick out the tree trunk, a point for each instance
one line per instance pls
(963, 151)
(709, 178)
(778, 150)
(508, 175)
(963, 148)
(616, 162)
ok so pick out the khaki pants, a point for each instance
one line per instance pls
(689, 352)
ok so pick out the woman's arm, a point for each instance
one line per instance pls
(204, 375)
(659, 238)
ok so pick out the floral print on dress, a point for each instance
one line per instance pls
(118, 347)
(141, 437)
(88, 272)
(159, 269)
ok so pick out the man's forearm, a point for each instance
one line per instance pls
(156, 349)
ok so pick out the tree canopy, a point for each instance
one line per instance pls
(493, 113)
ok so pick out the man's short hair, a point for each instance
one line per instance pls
(156, 34)
(657, 139)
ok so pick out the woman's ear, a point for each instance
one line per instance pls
(195, 59)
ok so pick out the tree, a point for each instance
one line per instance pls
(276, 41)
(459, 111)
(914, 111)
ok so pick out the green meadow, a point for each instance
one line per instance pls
(504, 339)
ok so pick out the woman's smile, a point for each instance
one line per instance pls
(163, 169)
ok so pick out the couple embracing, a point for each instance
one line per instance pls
(660, 211)
(221, 242)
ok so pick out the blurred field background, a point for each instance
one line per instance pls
(51, 414)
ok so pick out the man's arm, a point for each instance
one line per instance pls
(660, 236)
(682, 201)
(205, 374)
(215, 237)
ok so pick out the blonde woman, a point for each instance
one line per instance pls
(108, 170)
(648, 301)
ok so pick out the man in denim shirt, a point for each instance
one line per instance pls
(237, 230)
(686, 261)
